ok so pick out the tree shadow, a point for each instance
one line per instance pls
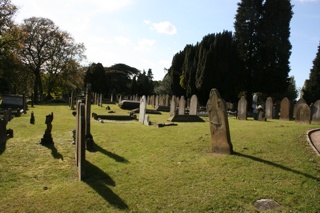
(97, 148)
(54, 152)
(97, 180)
(3, 145)
(276, 165)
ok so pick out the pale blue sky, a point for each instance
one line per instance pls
(147, 33)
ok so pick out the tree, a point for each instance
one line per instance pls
(311, 89)
(175, 71)
(272, 75)
(247, 33)
(95, 75)
(47, 50)
(10, 36)
(163, 87)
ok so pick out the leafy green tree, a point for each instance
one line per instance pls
(145, 86)
(272, 73)
(311, 89)
(189, 69)
(175, 71)
(247, 34)
(163, 87)
(48, 50)
(95, 75)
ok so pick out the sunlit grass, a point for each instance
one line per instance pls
(141, 168)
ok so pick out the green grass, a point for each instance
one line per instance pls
(137, 168)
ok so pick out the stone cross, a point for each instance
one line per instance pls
(219, 125)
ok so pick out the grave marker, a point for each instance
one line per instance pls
(143, 108)
(219, 125)
(269, 108)
(316, 112)
(285, 109)
(182, 105)
(242, 108)
(303, 114)
(193, 105)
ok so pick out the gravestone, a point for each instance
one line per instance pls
(146, 120)
(301, 100)
(242, 108)
(303, 114)
(254, 106)
(219, 125)
(87, 108)
(173, 106)
(143, 108)
(32, 119)
(182, 105)
(285, 109)
(80, 139)
(47, 138)
(156, 105)
(167, 100)
(316, 112)
(269, 108)
(193, 105)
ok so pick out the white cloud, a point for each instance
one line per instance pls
(162, 27)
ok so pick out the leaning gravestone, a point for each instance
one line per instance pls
(219, 125)
(143, 108)
(269, 108)
(285, 109)
(316, 112)
(242, 108)
(182, 105)
(303, 114)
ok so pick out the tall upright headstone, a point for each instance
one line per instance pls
(142, 109)
(242, 108)
(219, 125)
(193, 105)
(316, 112)
(89, 139)
(269, 108)
(303, 114)
(80, 139)
(285, 109)
(167, 100)
(173, 106)
(182, 105)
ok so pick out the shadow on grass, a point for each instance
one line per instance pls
(276, 165)
(97, 180)
(3, 145)
(97, 148)
(54, 151)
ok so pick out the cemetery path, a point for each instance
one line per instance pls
(314, 137)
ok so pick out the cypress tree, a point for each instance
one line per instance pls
(311, 90)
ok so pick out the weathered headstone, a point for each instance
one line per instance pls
(80, 139)
(146, 120)
(173, 106)
(167, 100)
(285, 109)
(47, 138)
(182, 105)
(269, 108)
(219, 125)
(242, 108)
(156, 105)
(301, 100)
(143, 108)
(316, 112)
(193, 105)
(303, 114)
(254, 106)
(89, 138)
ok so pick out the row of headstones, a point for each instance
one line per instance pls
(181, 104)
(301, 112)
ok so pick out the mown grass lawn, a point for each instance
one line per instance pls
(137, 168)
